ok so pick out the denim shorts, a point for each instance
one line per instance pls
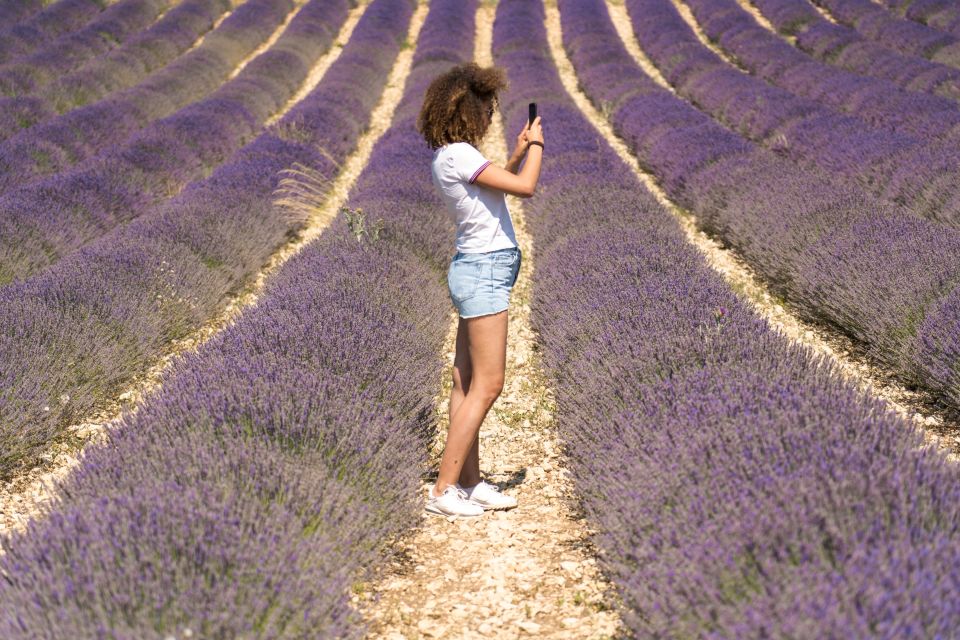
(480, 283)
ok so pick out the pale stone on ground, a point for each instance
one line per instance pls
(526, 572)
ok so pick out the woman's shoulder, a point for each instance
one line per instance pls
(455, 147)
(443, 160)
(454, 151)
(456, 159)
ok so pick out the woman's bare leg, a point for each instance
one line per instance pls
(487, 347)
(470, 474)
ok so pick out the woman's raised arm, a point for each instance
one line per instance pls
(521, 184)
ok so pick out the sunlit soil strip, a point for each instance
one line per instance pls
(525, 571)
(621, 21)
(320, 68)
(269, 41)
(823, 12)
(216, 23)
(160, 16)
(739, 275)
(747, 6)
(691, 21)
(21, 499)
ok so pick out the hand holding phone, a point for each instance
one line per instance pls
(534, 132)
(531, 131)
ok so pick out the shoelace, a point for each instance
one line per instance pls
(490, 487)
(460, 492)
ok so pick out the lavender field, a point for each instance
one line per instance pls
(732, 406)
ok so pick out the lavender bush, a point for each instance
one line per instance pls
(872, 270)
(939, 14)
(902, 169)
(243, 500)
(113, 308)
(877, 102)
(57, 19)
(56, 145)
(14, 11)
(845, 48)
(110, 28)
(168, 272)
(122, 67)
(159, 160)
(739, 487)
(905, 36)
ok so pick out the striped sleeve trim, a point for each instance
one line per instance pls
(477, 172)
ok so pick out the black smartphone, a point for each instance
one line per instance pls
(532, 112)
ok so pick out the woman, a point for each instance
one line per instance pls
(457, 111)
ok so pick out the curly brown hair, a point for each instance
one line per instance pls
(454, 107)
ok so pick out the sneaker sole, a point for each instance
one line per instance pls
(438, 512)
(487, 507)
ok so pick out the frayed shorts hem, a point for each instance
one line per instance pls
(485, 313)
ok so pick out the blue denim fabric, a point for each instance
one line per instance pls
(480, 283)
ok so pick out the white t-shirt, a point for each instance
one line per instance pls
(481, 215)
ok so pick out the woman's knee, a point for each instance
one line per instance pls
(489, 388)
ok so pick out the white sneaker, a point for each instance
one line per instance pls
(488, 496)
(453, 502)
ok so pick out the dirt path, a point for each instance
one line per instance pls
(320, 68)
(216, 23)
(916, 407)
(528, 571)
(823, 12)
(23, 497)
(691, 21)
(269, 41)
(763, 22)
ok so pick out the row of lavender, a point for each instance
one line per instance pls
(871, 269)
(57, 144)
(905, 36)
(123, 67)
(879, 103)
(55, 20)
(939, 14)
(77, 333)
(43, 221)
(843, 47)
(109, 29)
(739, 487)
(13, 11)
(243, 500)
(901, 168)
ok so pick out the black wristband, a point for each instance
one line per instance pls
(535, 142)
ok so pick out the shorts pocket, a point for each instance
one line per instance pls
(505, 268)
(463, 279)
(506, 259)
